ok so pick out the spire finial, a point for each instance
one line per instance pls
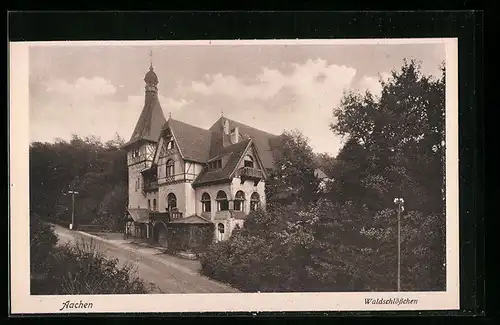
(169, 115)
(151, 59)
(222, 113)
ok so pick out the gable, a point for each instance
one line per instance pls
(264, 141)
(231, 156)
(252, 152)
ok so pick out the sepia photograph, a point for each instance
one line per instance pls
(226, 175)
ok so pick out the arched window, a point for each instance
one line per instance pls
(248, 161)
(206, 204)
(239, 201)
(170, 167)
(170, 143)
(171, 202)
(154, 204)
(149, 204)
(220, 231)
(254, 201)
(222, 202)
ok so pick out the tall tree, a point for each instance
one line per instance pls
(395, 148)
(293, 179)
(97, 171)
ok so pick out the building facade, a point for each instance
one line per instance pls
(183, 178)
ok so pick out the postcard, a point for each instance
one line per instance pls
(234, 175)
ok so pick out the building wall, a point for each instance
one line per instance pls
(224, 217)
(190, 199)
(179, 190)
(152, 196)
(249, 187)
(136, 198)
(212, 191)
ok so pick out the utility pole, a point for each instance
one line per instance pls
(73, 193)
(399, 202)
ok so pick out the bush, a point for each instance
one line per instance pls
(42, 242)
(76, 269)
(326, 248)
(82, 269)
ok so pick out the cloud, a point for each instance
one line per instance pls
(88, 107)
(372, 83)
(273, 100)
(168, 104)
(269, 82)
(82, 87)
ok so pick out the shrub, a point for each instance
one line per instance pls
(82, 269)
(42, 242)
(326, 248)
(76, 269)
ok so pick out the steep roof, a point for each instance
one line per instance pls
(193, 142)
(150, 121)
(264, 141)
(230, 155)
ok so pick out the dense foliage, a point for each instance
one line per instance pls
(346, 238)
(98, 171)
(76, 269)
(292, 181)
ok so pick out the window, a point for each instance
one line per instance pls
(216, 164)
(206, 204)
(254, 201)
(248, 161)
(171, 202)
(149, 204)
(135, 153)
(220, 231)
(222, 202)
(135, 186)
(154, 204)
(170, 168)
(170, 144)
(239, 201)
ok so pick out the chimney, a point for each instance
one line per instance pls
(235, 135)
(226, 127)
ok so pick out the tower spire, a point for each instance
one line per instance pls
(150, 59)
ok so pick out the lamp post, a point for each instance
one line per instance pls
(399, 202)
(73, 193)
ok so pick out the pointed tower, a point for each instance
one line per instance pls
(143, 142)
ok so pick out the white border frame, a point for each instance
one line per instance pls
(23, 302)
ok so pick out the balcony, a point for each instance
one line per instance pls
(250, 173)
(150, 186)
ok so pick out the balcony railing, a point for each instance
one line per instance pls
(252, 173)
(165, 216)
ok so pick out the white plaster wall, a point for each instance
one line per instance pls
(248, 187)
(136, 198)
(212, 191)
(190, 194)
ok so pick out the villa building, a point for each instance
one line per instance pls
(189, 186)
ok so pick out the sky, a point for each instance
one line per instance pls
(99, 90)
